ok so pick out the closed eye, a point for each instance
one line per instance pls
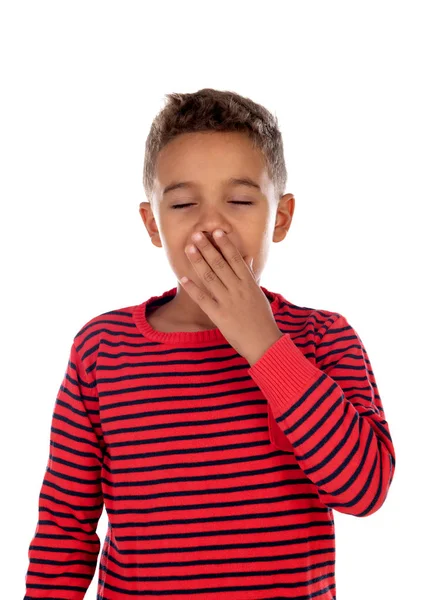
(189, 204)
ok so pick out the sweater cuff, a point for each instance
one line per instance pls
(283, 373)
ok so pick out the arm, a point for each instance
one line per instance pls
(332, 416)
(64, 550)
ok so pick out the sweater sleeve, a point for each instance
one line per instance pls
(64, 550)
(331, 417)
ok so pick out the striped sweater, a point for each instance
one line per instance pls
(219, 478)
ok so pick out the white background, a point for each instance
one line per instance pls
(355, 87)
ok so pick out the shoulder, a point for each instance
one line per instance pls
(106, 325)
(307, 318)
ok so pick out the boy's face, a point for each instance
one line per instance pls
(209, 160)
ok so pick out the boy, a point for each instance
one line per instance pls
(219, 423)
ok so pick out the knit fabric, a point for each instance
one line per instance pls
(219, 478)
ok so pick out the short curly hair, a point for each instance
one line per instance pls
(214, 110)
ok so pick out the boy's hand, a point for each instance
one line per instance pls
(237, 305)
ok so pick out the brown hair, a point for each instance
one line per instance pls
(214, 110)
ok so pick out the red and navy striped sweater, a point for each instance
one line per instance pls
(219, 479)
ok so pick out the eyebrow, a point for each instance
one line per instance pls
(231, 181)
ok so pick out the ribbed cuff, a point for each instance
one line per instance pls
(283, 374)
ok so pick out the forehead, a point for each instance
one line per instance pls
(207, 158)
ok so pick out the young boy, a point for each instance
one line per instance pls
(219, 423)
